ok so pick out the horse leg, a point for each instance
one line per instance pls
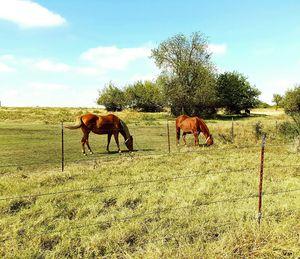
(183, 137)
(88, 145)
(83, 140)
(108, 141)
(116, 136)
(196, 138)
(177, 135)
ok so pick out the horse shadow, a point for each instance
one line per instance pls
(123, 151)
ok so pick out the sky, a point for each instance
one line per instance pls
(62, 53)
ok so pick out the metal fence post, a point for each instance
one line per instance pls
(62, 147)
(168, 132)
(261, 178)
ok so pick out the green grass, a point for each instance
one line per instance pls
(193, 203)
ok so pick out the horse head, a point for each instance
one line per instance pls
(129, 143)
(209, 140)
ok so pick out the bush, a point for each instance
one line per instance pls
(258, 130)
(288, 130)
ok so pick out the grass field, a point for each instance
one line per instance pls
(196, 202)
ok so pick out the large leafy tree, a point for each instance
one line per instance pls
(187, 74)
(235, 92)
(291, 104)
(112, 98)
(145, 96)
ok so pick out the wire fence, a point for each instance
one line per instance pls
(155, 212)
(205, 152)
(58, 147)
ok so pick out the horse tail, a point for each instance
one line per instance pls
(125, 128)
(76, 126)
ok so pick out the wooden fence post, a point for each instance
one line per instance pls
(261, 178)
(62, 147)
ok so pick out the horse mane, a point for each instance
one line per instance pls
(203, 126)
(125, 128)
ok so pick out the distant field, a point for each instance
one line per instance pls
(194, 202)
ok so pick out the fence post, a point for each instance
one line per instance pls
(62, 147)
(261, 178)
(168, 132)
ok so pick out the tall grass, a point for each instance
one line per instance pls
(193, 203)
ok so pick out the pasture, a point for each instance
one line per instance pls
(194, 202)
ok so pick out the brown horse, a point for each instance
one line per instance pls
(109, 124)
(192, 125)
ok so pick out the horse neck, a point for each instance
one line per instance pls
(125, 132)
(203, 127)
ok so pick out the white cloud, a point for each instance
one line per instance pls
(113, 58)
(28, 14)
(40, 86)
(6, 69)
(7, 58)
(218, 49)
(50, 66)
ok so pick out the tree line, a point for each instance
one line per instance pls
(188, 83)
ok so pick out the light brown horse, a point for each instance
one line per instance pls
(192, 125)
(108, 124)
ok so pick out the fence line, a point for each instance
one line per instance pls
(59, 160)
(158, 211)
(179, 235)
(154, 212)
(135, 183)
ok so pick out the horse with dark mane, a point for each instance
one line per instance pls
(192, 125)
(108, 124)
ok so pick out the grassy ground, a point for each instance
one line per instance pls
(193, 203)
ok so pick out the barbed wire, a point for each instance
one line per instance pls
(192, 233)
(132, 155)
(154, 212)
(134, 183)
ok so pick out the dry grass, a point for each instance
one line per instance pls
(193, 203)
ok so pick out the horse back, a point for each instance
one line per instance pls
(101, 124)
(187, 124)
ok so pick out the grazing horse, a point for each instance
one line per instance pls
(192, 125)
(108, 124)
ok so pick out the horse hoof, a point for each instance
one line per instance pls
(120, 151)
(91, 152)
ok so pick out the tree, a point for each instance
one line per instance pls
(277, 98)
(235, 93)
(112, 98)
(291, 104)
(145, 96)
(187, 74)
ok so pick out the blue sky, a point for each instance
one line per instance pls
(61, 53)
